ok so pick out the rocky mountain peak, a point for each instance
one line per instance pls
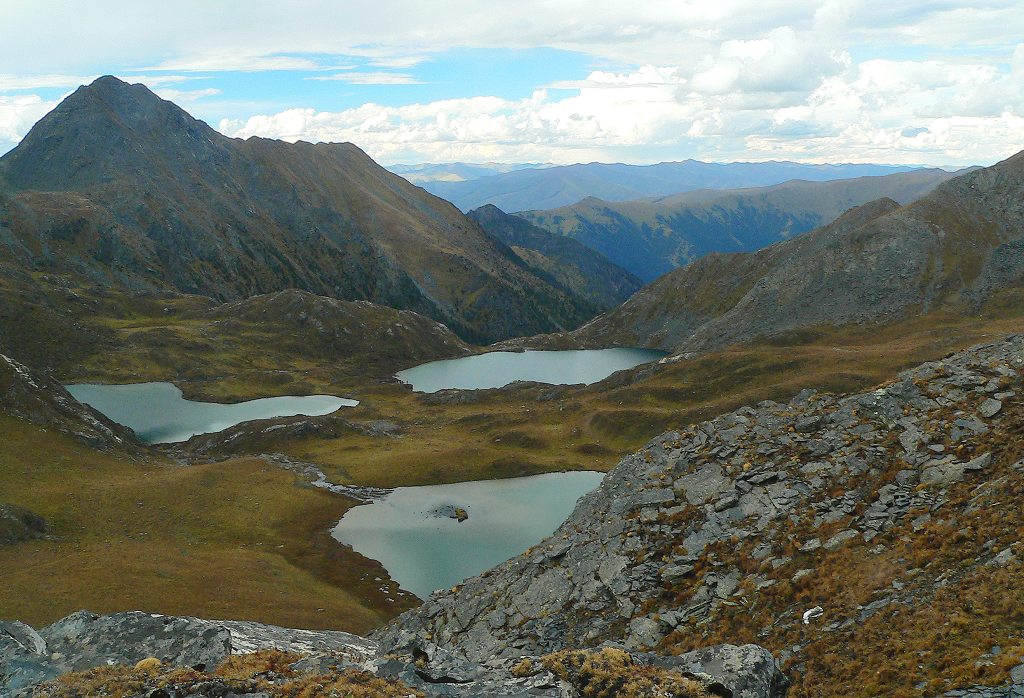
(100, 132)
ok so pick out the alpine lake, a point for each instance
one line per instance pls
(428, 537)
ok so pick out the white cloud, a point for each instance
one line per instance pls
(236, 63)
(10, 83)
(920, 80)
(875, 111)
(17, 114)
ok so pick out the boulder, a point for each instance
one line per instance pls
(18, 525)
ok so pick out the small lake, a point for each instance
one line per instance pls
(424, 550)
(499, 368)
(158, 413)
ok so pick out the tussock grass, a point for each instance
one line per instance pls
(238, 539)
(268, 673)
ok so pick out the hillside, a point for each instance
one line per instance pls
(126, 190)
(954, 249)
(651, 237)
(564, 185)
(567, 263)
(871, 541)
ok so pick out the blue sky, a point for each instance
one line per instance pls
(921, 81)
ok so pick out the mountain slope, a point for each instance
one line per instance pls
(653, 236)
(892, 511)
(568, 263)
(126, 189)
(955, 248)
(551, 187)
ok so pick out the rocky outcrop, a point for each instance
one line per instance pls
(84, 640)
(18, 525)
(144, 640)
(42, 401)
(656, 547)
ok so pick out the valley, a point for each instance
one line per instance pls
(850, 384)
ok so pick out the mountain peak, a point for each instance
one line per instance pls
(99, 132)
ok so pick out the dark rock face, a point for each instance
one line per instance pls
(602, 575)
(83, 640)
(18, 525)
(39, 399)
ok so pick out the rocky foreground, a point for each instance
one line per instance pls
(871, 543)
(143, 654)
(794, 525)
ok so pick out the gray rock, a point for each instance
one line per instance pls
(950, 472)
(990, 408)
(748, 671)
(1017, 674)
(703, 484)
(809, 424)
(839, 539)
(18, 525)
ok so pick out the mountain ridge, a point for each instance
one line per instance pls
(570, 264)
(955, 248)
(564, 185)
(127, 189)
(652, 236)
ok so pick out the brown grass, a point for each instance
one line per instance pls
(942, 639)
(267, 672)
(612, 673)
(238, 539)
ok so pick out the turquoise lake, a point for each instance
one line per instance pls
(499, 368)
(423, 551)
(158, 413)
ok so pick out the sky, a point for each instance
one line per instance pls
(933, 82)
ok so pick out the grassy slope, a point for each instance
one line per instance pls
(237, 539)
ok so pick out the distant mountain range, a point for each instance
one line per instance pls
(958, 247)
(127, 191)
(650, 237)
(457, 171)
(552, 187)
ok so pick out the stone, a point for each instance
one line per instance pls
(674, 573)
(839, 539)
(747, 671)
(18, 525)
(1017, 674)
(703, 484)
(800, 574)
(811, 545)
(809, 424)
(990, 408)
(948, 473)
(1004, 558)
